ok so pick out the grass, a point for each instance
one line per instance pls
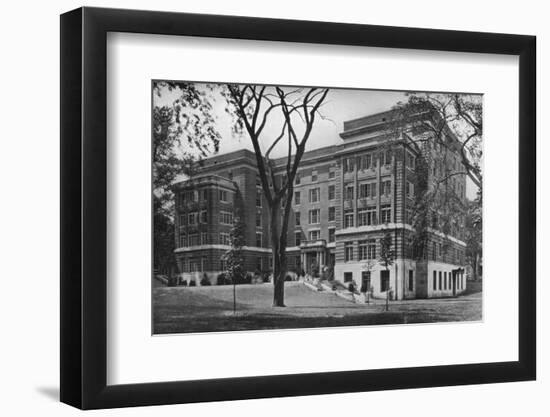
(210, 309)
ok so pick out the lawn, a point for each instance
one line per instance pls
(209, 309)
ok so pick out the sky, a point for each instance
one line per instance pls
(340, 105)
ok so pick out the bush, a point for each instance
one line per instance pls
(205, 280)
(192, 283)
(222, 280)
(184, 283)
(288, 278)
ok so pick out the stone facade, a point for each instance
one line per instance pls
(346, 198)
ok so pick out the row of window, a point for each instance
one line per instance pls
(202, 195)
(366, 249)
(442, 281)
(366, 161)
(367, 216)
(437, 252)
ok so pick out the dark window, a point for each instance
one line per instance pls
(297, 217)
(348, 251)
(331, 235)
(384, 280)
(297, 197)
(440, 277)
(331, 214)
(365, 281)
(348, 276)
(435, 281)
(411, 280)
(331, 192)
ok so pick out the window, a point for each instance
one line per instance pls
(258, 198)
(440, 276)
(258, 181)
(331, 192)
(410, 189)
(183, 241)
(348, 218)
(331, 173)
(385, 188)
(363, 245)
(348, 251)
(366, 161)
(331, 234)
(297, 238)
(297, 197)
(194, 239)
(203, 217)
(348, 276)
(365, 280)
(385, 213)
(440, 249)
(313, 176)
(224, 239)
(361, 217)
(314, 234)
(297, 179)
(203, 195)
(348, 164)
(445, 280)
(385, 157)
(226, 217)
(204, 238)
(348, 192)
(367, 190)
(331, 214)
(366, 217)
(314, 216)
(258, 219)
(410, 160)
(192, 218)
(297, 218)
(384, 280)
(435, 281)
(223, 195)
(371, 249)
(411, 280)
(314, 195)
(183, 219)
(258, 239)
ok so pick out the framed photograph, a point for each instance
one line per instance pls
(261, 208)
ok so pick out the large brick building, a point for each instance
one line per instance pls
(346, 198)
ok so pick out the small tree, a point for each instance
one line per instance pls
(387, 254)
(234, 257)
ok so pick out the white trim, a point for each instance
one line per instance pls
(224, 247)
(392, 226)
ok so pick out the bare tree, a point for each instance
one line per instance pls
(297, 109)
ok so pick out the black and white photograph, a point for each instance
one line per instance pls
(288, 207)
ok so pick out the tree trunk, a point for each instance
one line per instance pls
(279, 258)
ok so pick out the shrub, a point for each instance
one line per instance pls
(192, 283)
(205, 280)
(184, 283)
(222, 279)
(288, 278)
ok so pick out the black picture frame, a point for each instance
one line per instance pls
(84, 207)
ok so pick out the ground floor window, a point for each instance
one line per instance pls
(440, 280)
(348, 276)
(435, 281)
(411, 279)
(365, 281)
(384, 280)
